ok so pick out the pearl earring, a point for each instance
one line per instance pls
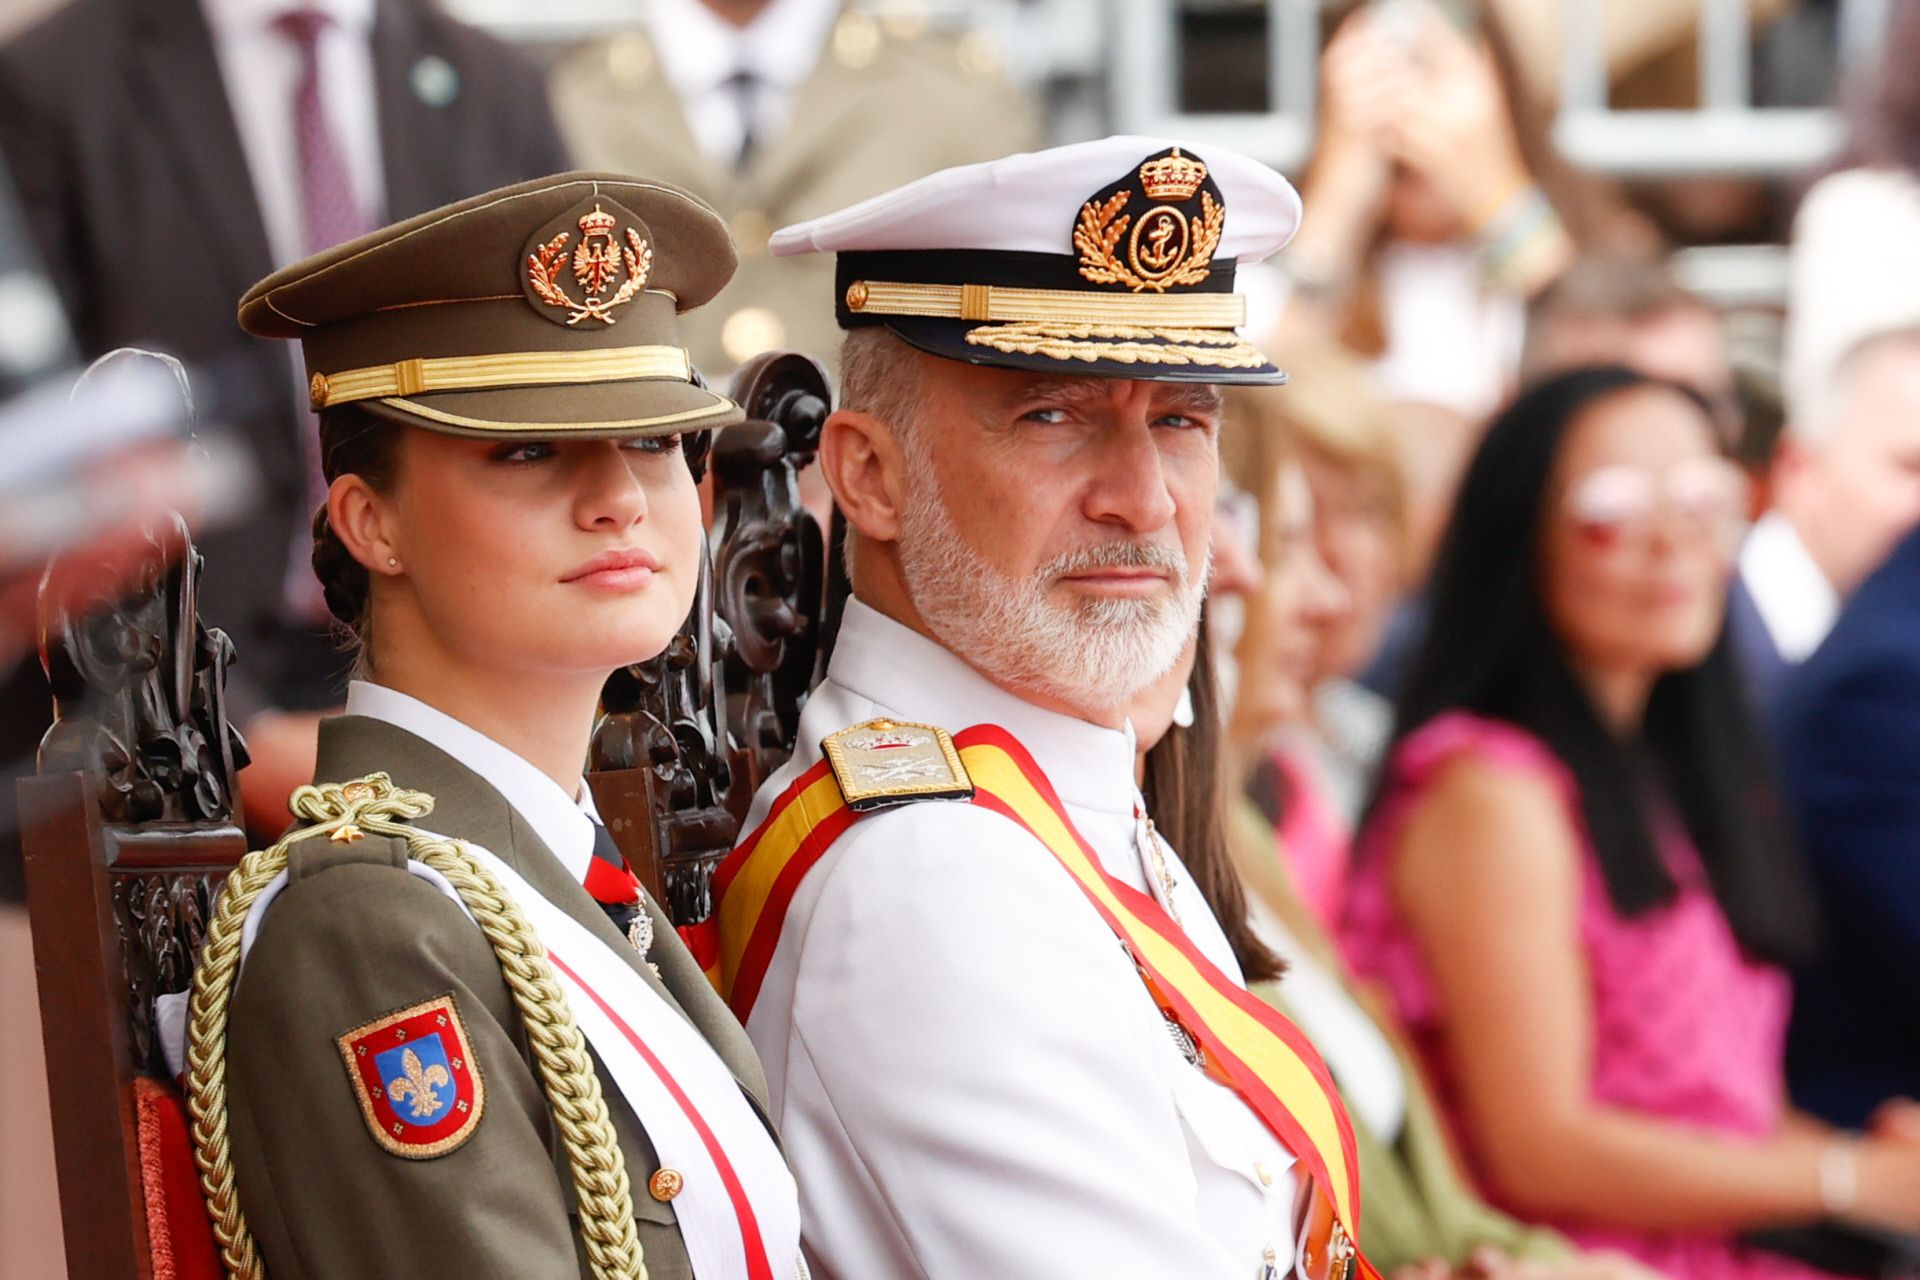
(392, 563)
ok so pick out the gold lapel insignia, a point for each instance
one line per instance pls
(888, 762)
(1172, 243)
(605, 270)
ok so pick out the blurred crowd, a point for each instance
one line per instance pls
(1552, 749)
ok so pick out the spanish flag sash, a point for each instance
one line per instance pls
(1244, 1042)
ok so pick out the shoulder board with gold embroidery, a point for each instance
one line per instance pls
(887, 762)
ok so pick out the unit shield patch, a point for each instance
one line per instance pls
(415, 1078)
(888, 762)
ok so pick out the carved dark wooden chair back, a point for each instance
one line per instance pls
(126, 832)
(688, 737)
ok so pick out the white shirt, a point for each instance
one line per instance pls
(1795, 600)
(260, 66)
(700, 51)
(969, 1076)
(564, 823)
(1450, 340)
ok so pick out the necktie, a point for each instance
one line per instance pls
(329, 214)
(617, 890)
(743, 84)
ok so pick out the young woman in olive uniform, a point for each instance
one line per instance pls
(443, 1054)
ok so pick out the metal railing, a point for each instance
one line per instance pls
(1727, 134)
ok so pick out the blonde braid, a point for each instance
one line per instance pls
(374, 805)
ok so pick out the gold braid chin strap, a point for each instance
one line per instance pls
(374, 805)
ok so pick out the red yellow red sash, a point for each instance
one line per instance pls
(1248, 1045)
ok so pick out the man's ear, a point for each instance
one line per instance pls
(359, 519)
(863, 465)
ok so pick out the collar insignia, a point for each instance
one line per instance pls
(1172, 240)
(603, 271)
(887, 762)
(414, 1076)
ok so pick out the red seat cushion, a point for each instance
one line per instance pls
(179, 1233)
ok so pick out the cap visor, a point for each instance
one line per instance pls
(610, 410)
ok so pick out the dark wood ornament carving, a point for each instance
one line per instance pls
(127, 833)
(769, 558)
(139, 688)
(687, 737)
(660, 775)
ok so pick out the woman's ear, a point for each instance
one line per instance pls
(361, 520)
(863, 465)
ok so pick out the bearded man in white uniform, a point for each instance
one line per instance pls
(969, 1073)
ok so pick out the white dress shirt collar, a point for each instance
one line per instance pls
(890, 664)
(563, 823)
(1793, 596)
(699, 49)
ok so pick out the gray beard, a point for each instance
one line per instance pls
(1093, 655)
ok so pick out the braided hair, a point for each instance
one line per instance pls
(352, 442)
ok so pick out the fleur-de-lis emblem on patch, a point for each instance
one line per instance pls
(419, 1083)
(606, 258)
(413, 1073)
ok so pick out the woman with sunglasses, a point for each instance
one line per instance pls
(1574, 881)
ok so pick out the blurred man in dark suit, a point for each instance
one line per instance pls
(171, 152)
(1849, 736)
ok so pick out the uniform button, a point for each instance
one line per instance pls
(980, 54)
(749, 331)
(856, 41)
(629, 60)
(905, 21)
(1265, 1174)
(665, 1185)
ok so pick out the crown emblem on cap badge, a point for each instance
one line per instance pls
(1169, 246)
(602, 260)
(1174, 177)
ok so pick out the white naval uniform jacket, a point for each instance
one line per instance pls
(970, 1078)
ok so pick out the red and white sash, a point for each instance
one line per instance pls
(739, 1210)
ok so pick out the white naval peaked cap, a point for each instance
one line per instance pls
(1027, 203)
(1111, 258)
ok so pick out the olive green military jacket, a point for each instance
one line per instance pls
(354, 937)
(883, 105)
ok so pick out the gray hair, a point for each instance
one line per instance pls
(1816, 427)
(880, 375)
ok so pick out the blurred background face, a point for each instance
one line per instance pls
(1640, 528)
(1418, 211)
(1287, 616)
(1358, 538)
(1681, 343)
(1854, 493)
(575, 556)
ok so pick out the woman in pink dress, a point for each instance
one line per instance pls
(1574, 885)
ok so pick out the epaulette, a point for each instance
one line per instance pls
(883, 763)
(308, 858)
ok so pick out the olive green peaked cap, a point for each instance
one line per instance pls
(539, 310)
